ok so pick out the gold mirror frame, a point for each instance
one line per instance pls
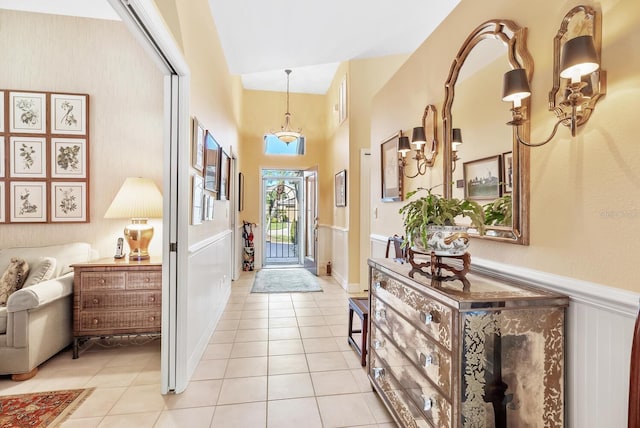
(430, 124)
(579, 21)
(514, 38)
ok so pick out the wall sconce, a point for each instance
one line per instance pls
(578, 63)
(419, 141)
(455, 142)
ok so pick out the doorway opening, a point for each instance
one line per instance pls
(282, 216)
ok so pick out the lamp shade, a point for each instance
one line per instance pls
(137, 198)
(403, 145)
(579, 57)
(515, 85)
(418, 137)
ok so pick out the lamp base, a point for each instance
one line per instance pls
(138, 235)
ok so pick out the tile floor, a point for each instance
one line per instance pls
(275, 360)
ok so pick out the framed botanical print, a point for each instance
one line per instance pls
(197, 199)
(1, 111)
(27, 157)
(27, 112)
(211, 164)
(197, 146)
(341, 188)
(68, 201)
(2, 158)
(224, 175)
(28, 201)
(68, 114)
(68, 158)
(390, 172)
(3, 208)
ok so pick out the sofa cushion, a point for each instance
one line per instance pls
(65, 255)
(3, 320)
(13, 278)
(42, 270)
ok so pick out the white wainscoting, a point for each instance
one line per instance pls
(599, 331)
(209, 289)
(340, 256)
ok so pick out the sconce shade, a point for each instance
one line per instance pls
(138, 199)
(418, 137)
(457, 138)
(404, 146)
(515, 85)
(579, 57)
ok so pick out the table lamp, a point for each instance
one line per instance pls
(138, 199)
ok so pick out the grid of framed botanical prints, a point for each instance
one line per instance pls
(44, 157)
(212, 177)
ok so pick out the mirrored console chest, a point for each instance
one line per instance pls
(483, 353)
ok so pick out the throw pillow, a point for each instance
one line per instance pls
(41, 270)
(13, 278)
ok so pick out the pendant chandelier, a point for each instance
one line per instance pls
(286, 133)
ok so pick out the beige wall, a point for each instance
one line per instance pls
(100, 58)
(584, 191)
(263, 111)
(214, 96)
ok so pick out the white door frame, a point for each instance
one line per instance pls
(147, 25)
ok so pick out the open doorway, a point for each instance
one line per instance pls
(282, 218)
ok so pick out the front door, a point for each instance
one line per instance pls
(311, 220)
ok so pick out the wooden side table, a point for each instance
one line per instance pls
(116, 298)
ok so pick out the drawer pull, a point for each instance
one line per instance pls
(152, 298)
(378, 372)
(427, 318)
(152, 318)
(102, 281)
(427, 404)
(95, 321)
(377, 344)
(426, 360)
(95, 300)
(147, 279)
(381, 314)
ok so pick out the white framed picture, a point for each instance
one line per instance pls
(197, 199)
(68, 201)
(1, 111)
(27, 112)
(28, 202)
(68, 158)
(68, 114)
(1, 157)
(27, 157)
(3, 208)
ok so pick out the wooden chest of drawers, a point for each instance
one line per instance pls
(481, 354)
(116, 298)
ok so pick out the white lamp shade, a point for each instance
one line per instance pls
(137, 198)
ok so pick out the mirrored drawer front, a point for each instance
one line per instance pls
(103, 280)
(115, 320)
(133, 300)
(405, 411)
(426, 314)
(434, 361)
(424, 395)
(144, 280)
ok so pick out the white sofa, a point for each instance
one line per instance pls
(37, 321)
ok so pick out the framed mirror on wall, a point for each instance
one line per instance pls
(474, 118)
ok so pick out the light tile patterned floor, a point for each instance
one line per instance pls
(275, 360)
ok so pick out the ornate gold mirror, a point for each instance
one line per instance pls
(490, 153)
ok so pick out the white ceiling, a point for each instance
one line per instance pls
(261, 38)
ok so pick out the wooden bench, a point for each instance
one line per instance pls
(359, 306)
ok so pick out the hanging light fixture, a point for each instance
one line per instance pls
(286, 133)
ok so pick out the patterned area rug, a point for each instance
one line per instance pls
(40, 409)
(285, 281)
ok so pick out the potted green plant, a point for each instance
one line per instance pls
(499, 212)
(429, 222)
